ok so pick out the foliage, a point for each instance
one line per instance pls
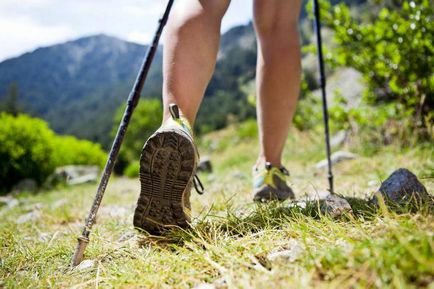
(26, 150)
(394, 52)
(231, 238)
(69, 150)
(31, 150)
(10, 103)
(132, 170)
(146, 119)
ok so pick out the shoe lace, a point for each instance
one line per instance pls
(198, 186)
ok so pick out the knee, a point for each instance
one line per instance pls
(275, 20)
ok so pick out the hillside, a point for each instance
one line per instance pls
(78, 85)
(233, 243)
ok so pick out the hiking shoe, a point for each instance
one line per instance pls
(167, 170)
(269, 183)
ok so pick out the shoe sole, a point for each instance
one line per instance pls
(167, 165)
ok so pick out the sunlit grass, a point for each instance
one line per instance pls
(230, 237)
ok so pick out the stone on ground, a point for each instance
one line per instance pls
(339, 138)
(335, 206)
(205, 165)
(402, 187)
(73, 175)
(289, 253)
(10, 202)
(335, 158)
(29, 217)
(85, 264)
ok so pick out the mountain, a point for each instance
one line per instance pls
(76, 86)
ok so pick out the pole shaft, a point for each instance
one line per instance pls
(132, 102)
(322, 80)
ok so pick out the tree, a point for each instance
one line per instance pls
(10, 104)
(146, 119)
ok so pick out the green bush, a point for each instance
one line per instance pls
(69, 150)
(146, 119)
(394, 52)
(31, 150)
(132, 170)
(26, 150)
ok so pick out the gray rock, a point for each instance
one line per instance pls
(335, 206)
(205, 286)
(289, 253)
(59, 203)
(73, 175)
(339, 138)
(335, 158)
(85, 265)
(402, 187)
(9, 201)
(347, 83)
(26, 185)
(44, 237)
(205, 164)
(29, 217)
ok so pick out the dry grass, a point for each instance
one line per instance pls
(230, 238)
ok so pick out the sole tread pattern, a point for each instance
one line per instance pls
(167, 165)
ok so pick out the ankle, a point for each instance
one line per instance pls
(262, 160)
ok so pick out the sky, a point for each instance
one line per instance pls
(28, 24)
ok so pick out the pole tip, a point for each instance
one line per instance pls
(79, 251)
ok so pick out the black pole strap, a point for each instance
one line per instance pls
(317, 25)
(132, 102)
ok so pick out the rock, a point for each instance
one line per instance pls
(32, 216)
(205, 286)
(59, 203)
(85, 264)
(44, 237)
(335, 206)
(288, 253)
(115, 211)
(205, 165)
(73, 175)
(83, 179)
(126, 236)
(26, 185)
(336, 157)
(345, 83)
(373, 183)
(9, 201)
(317, 196)
(402, 187)
(339, 138)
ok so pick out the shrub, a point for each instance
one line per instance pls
(26, 150)
(31, 150)
(393, 51)
(132, 170)
(146, 119)
(69, 150)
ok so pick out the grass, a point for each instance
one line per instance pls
(230, 237)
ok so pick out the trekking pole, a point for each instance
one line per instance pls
(132, 101)
(317, 25)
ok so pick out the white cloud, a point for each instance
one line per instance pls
(139, 37)
(21, 34)
(28, 24)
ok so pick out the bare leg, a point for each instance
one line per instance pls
(277, 74)
(190, 53)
